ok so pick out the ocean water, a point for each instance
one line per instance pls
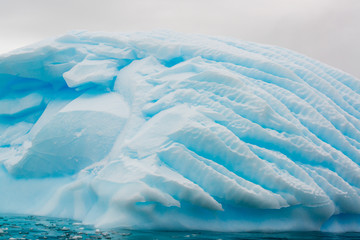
(35, 227)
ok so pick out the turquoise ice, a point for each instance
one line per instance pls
(163, 130)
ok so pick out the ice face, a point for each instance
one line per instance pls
(169, 131)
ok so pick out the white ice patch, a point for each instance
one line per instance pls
(100, 72)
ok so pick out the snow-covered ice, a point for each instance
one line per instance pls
(163, 130)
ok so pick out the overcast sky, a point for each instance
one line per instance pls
(327, 30)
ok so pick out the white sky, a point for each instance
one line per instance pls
(327, 30)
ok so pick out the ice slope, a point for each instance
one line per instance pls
(163, 130)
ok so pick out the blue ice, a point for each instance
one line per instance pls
(162, 130)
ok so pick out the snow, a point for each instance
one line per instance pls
(162, 130)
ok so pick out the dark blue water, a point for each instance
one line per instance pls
(34, 227)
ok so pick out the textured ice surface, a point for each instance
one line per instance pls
(171, 131)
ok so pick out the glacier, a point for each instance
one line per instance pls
(162, 130)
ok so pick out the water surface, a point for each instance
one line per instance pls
(35, 227)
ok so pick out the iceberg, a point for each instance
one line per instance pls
(162, 130)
